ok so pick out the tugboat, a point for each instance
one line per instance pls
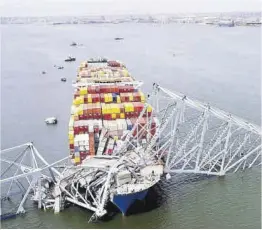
(51, 120)
(70, 59)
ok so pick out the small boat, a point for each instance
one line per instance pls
(43, 72)
(73, 44)
(119, 38)
(69, 59)
(60, 67)
(51, 120)
(63, 79)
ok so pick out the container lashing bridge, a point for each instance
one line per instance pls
(190, 137)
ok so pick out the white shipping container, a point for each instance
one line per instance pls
(73, 110)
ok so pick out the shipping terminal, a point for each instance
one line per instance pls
(123, 142)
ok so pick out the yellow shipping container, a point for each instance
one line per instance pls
(110, 97)
(106, 97)
(77, 159)
(75, 101)
(104, 109)
(71, 142)
(70, 135)
(125, 73)
(132, 107)
(122, 115)
(113, 116)
(115, 108)
(129, 107)
(115, 138)
(149, 108)
(83, 91)
(126, 107)
(118, 100)
(79, 100)
(131, 97)
(142, 97)
(89, 98)
(109, 109)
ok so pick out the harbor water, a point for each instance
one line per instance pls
(218, 65)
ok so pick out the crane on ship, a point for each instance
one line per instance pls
(191, 137)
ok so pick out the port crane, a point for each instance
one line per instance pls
(191, 137)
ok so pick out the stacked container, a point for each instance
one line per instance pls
(104, 109)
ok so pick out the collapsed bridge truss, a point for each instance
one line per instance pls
(190, 137)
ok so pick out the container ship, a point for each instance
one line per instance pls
(107, 104)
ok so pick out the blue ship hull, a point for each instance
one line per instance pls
(123, 202)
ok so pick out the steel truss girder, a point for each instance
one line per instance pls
(206, 147)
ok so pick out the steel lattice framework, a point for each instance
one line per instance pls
(201, 139)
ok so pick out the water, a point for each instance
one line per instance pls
(217, 65)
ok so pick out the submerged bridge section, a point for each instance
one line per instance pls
(191, 137)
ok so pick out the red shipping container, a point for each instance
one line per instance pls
(113, 89)
(71, 146)
(107, 116)
(97, 89)
(136, 114)
(90, 116)
(108, 89)
(148, 114)
(83, 157)
(113, 64)
(76, 129)
(102, 97)
(97, 116)
(93, 89)
(121, 89)
(102, 89)
(85, 129)
(81, 129)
